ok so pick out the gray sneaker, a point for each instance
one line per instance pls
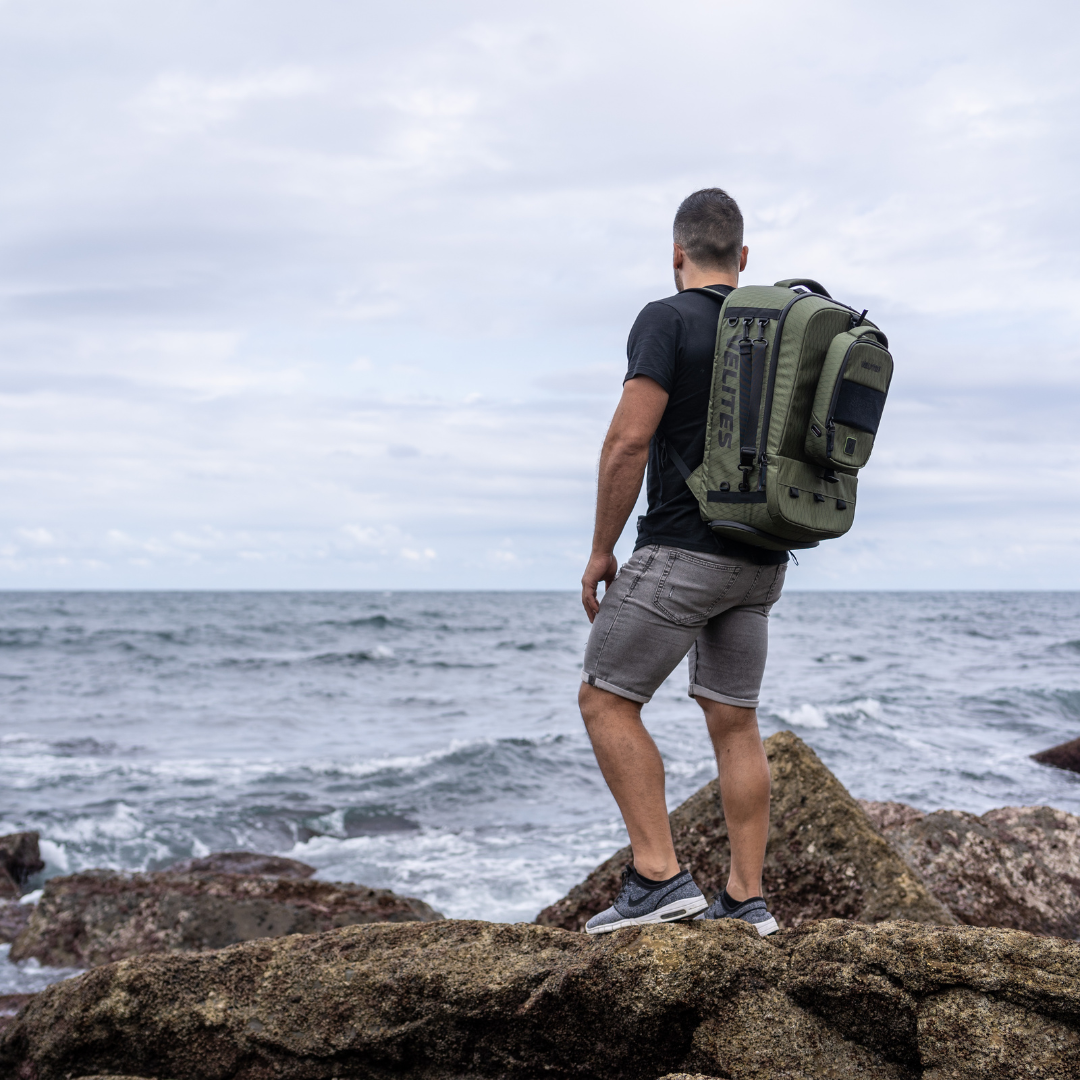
(752, 911)
(639, 903)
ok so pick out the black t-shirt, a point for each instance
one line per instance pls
(672, 342)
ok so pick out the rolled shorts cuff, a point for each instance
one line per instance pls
(611, 688)
(696, 690)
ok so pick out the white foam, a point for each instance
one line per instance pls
(806, 716)
(28, 976)
(54, 855)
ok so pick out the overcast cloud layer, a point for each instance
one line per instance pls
(336, 294)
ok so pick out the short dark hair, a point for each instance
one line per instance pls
(709, 228)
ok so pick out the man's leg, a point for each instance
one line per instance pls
(744, 788)
(634, 772)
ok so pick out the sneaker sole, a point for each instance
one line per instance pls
(769, 926)
(673, 912)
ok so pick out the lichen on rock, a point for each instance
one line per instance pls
(1016, 866)
(453, 999)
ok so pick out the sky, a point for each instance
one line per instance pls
(335, 295)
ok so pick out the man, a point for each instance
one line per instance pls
(682, 590)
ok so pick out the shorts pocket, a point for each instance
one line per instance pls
(690, 589)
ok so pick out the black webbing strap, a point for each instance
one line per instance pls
(746, 381)
(751, 377)
(677, 461)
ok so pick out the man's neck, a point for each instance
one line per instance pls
(693, 278)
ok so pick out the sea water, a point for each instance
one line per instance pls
(430, 742)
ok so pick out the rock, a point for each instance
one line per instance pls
(1065, 756)
(13, 919)
(447, 1000)
(243, 862)
(1016, 867)
(99, 916)
(20, 859)
(10, 1004)
(825, 857)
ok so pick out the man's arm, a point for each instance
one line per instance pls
(622, 466)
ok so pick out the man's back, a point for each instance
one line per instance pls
(673, 342)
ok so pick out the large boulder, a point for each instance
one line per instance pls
(99, 916)
(1017, 866)
(447, 1000)
(13, 919)
(20, 860)
(1064, 756)
(825, 857)
(243, 862)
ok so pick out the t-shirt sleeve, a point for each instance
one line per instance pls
(654, 343)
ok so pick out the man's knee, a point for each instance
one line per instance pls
(727, 718)
(597, 704)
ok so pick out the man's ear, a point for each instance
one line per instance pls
(742, 259)
(678, 256)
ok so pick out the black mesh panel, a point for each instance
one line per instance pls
(859, 407)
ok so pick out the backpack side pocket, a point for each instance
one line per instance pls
(849, 399)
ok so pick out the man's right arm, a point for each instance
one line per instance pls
(622, 467)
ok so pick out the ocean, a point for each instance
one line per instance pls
(429, 742)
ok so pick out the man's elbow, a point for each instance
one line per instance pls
(628, 445)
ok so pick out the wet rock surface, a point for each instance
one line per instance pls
(825, 857)
(1017, 866)
(243, 862)
(99, 916)
(435, 1001)
(10, 1004)
(1063, 756)
(20, 859)
(13, 919)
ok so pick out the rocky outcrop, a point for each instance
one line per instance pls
(1016, 867)
(825, 857)
(1064, 756)
(99, 916)
(436, 1001)
(20, 859)
(13, 919)
(10, 1004)
(243, 862)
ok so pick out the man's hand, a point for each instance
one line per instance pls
(602, 567)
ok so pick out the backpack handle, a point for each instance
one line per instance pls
(809, 283)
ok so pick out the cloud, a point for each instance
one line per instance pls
(297, 301)
(181, 103)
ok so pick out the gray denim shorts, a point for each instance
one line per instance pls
(666, 602)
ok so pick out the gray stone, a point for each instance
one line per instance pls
(99, 916)
(243, 862)
(1016, 866)
(833, 1000)
(1064, 756)
(20, 859)
(13, 919)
